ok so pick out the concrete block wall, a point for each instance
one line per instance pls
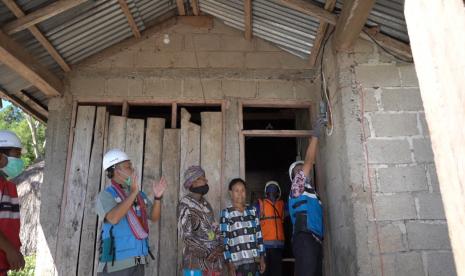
(398, 218)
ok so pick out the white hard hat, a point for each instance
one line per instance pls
(272, 182)
(113, 157)
(8, 139)
(292, 166)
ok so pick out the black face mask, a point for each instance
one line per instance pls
(203, 190)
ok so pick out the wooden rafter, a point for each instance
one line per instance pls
(40, 15)
(248, 19)
(132, 23)
(329, 6)
(40, 115)
(195, 7)
(390, 43)
(19, 60)
(311, 9)
(39, 36)
(181, 8)
(353, 17)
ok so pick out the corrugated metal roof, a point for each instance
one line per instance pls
(290, 30)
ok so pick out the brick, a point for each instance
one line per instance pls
(424, 125)
(289, 61)
(265, 46)
(392, 237)
(162, 88)
(165, 59)
(389, 125)
(404, 179)
(207, 42)
(117, 87)
(440, 264)
(124, 59)
(87, 86)
(388, 151)
(176, 43)
(307, 90)
(207, 89)
(401, 100)
(135, 86)
(423, 151)
(433, 177)
(221, 59)
(239, 88)
(276, 89)
(234, 43)
(408, 75)
(370, 101)
(377, 75)
(263, 60)
(403, 264)
(395, 207)
(427, 236)
(363, 46)
(430, 206)
(220, 28)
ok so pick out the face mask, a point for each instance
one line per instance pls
(272, 196)
(203, 190)
(128, 180)
(14, 167)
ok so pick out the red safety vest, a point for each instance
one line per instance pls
(9, 217)
(271, 219)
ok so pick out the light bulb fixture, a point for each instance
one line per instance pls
(166, 39)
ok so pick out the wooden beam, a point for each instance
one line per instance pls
(329, 6)
(181, 8)
(40, 15)
(387, 42)
(248, 19)
(311, 9)
(23, 63)
(436, 30)
(39, 36)
(132, 23)
(25, 107)
(195, 7)
(353, 16)
(201, 21)
(33, 103)
(278, 133)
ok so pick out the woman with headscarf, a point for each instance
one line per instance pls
(203, 250)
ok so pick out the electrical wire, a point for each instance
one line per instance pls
(324, 89)
(386, 50)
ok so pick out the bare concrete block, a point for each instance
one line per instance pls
(370, 101)
(276, 89)
(404, 179)
(393, 237)
(234, 43)
(289, 61)
(117, 87)
(239, 88)
(207, 42)
(377, 75)
(124, 59)
(265, 46)
(408, 99)
(395, 207)
(408, 75)
(382, 151)
(207, 89)
(433, 177)
(440, 264)
(176, 43)
(307, 90)
(87, 86)
(423, 151)
(135, 86)
(424, 125)
(162, 88)
(363, 46)
(403, 264)
(430, 206)
(221, 59)
(390, 125)
(165, 59)
(263, 60)
(427, 236)
(220, 28)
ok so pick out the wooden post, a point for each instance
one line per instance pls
(132, 23)
(248, 19)
(436, 30)
(181, 8)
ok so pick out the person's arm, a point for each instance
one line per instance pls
(14, 257)
(158, 190)
(310, 155)
(122, 208)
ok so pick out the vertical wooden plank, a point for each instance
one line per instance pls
(174, 114)
(152, 171)
(168, 221)
(231, 146)
(211, 140)
(195, 7)
(70, 231)
(117, 133)
(134, 147)
(181, 8)
(248, 19)
(89, 223)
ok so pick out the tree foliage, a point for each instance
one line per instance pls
(14, 119)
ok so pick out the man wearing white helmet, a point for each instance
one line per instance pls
(124, 247)
(11, 166)
(306, 212)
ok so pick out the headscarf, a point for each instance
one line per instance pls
(191, 174)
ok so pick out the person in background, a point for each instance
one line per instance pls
(306, 212)
(203, 249)
(243, 240)
(11, 166)
(271, 214)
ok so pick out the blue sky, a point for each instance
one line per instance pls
(5, 104)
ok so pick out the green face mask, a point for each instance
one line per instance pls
(14, 167)
(128, 180)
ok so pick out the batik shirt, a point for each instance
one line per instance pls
(199, 233)
(243, 240)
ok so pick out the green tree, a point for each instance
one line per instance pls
(30, 131)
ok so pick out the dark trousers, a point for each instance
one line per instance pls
(274, 261)
(138, 270)
(247, 270)
(308, 255)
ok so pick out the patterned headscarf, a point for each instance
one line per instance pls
(191, 174)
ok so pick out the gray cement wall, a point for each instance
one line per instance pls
(391, 218)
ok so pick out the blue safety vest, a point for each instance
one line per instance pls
(307, 205)
(117, 240)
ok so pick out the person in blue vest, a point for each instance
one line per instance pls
(124, 246)
(306, 212)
